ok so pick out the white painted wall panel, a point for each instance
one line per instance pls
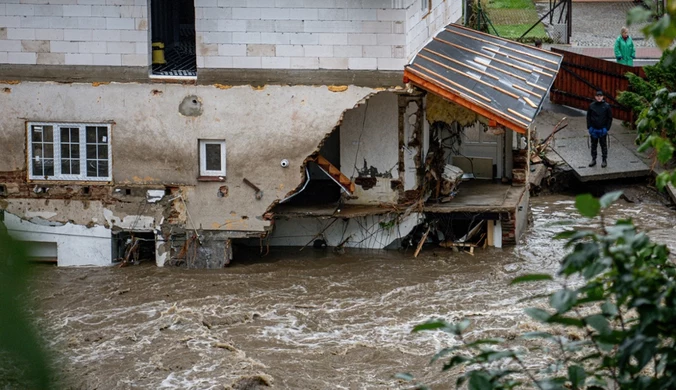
(76, 245)
(369, 141)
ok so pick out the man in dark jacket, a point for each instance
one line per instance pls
(599, 119)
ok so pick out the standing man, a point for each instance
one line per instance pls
(599, 119)
(624, 48)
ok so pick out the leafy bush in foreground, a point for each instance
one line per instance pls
(624, 308)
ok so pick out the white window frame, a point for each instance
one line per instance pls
(203, 157)
(56, 140)
(425, 6)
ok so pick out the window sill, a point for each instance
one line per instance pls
(211, 178)
(70, 181)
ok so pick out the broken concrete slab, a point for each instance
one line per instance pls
(671, 190)
(621, 161)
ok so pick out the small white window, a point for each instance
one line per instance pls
(69, 151)
(212, 157)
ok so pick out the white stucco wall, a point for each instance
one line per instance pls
(369, 134)
(77, 245)
(153, 144)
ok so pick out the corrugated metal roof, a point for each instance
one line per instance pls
(500, 79)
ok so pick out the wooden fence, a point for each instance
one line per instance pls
(581, 76)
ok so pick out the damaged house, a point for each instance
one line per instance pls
(172, 130)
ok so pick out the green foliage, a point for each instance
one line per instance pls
(623, 302)
(642, 91)
(662, 30)
(18, 339)
(664, 150)
(658, 117)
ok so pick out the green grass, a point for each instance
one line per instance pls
(513, 4)
(514, 31)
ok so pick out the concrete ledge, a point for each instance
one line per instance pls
(361, 78)
(74, 73)
(256, 77)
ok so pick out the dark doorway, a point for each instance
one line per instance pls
(321, 188)
(173, 38)
(131, 248)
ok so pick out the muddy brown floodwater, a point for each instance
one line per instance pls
(299, 320)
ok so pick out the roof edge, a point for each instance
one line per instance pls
(464, 102)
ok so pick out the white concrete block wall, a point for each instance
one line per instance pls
(422, 26)
(270, 34)
(301, 34)
(74, 32)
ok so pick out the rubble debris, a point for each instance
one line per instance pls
(422, 241)
(450, 180)
(154, 196)
(539, 148)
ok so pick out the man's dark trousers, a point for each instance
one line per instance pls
(604, 147)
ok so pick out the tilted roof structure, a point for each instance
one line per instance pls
(497, 78)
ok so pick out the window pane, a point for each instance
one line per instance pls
(103, 151)
(91, 168)
(70, 167)
(213, 157)
(103, 168)
(70, 151)
(43, 167)
(48, 133)
(91, 134)
(65, 167)
(48, 150)
(91, 151)
(102, 134)
(37, 151)
(74, 167)
(36, 134)
(37, 168)
(49, 167)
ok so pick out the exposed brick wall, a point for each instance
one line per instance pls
(508, 223)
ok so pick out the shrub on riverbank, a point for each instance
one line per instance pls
(621, 315)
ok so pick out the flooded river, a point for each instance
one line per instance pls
(298, 320)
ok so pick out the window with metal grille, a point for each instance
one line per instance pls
(69, 151)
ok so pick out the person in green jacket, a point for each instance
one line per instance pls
(624, 48)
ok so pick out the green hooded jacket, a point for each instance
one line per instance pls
(624, 51)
